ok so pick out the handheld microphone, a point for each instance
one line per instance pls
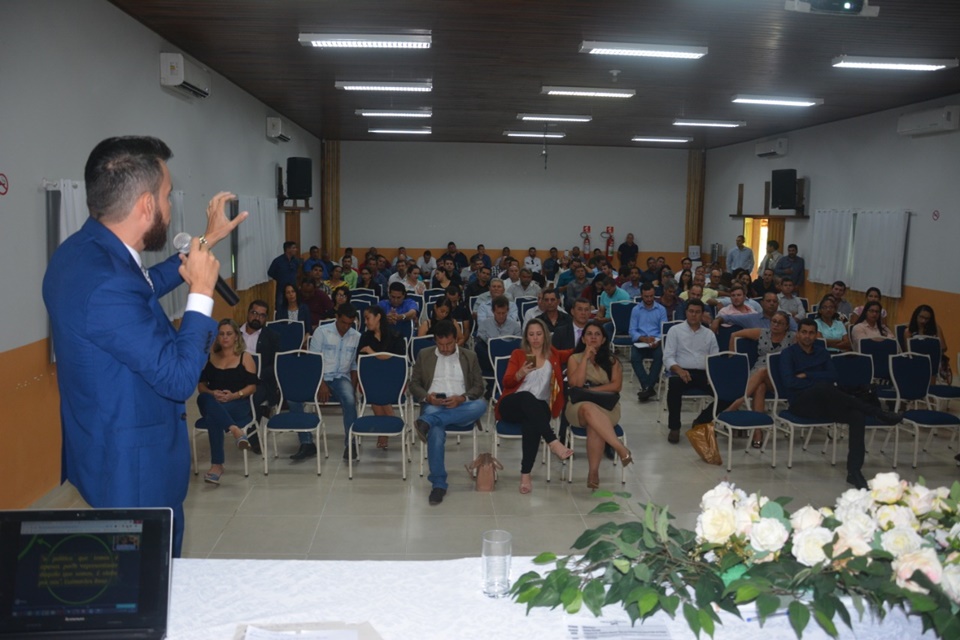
(181, 243)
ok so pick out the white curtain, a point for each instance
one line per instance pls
(174, 302)
(259, 239)
(831, 251)
(879, 243)
(73, 207)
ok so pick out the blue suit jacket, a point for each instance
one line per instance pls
(124, 372)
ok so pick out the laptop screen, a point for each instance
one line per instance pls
(96, 571)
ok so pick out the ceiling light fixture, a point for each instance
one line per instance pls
(364, 41)
(894, 64)
(416, 87)
(392, 113)
(535, 134)
(661, 139)
(642, 50)
(587, 92)
(777, 101)
(547, 117)
(420, 131)
(730, 124)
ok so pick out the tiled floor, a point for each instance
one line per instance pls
(293, 513)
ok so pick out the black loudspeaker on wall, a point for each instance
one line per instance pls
(300, 178)
(783, 192)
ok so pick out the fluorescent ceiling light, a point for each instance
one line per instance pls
(587, 92)
(393, 113)
(364, 41)
(548, 117)
(420, 131)
(642, 50)
(535, 134)
(730, 124)
(777, 101)
(661, 139)
(421, 87)
(895, 64)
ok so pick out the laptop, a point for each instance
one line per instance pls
(85, 574)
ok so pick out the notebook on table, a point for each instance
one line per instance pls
(85, 574)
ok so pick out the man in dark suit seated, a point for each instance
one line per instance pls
(265, 343)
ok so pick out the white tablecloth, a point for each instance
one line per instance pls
(414, 601)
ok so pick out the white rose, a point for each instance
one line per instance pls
(808, 545)
(854, 499)
(886, 487)
(920, 499)
(744, 521)
(924, 560)
(900, 541)
(954, 534)
(850, 536)
(862, 525)
(940, 496)
(892, 515)
(768, 535)
(716, 525)
(950, 581)
(806, 518)
(720, 496)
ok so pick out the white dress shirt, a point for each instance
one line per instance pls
(689, 348)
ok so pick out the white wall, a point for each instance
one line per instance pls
(74, 73)
(424, 194)
(859, 163)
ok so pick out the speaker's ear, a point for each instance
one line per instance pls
(784, 189)
(299, 178)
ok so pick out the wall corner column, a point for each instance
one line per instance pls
(696, 183)
(330, 198)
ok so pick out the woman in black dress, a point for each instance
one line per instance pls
(379, 338)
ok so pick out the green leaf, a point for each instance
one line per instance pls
(947, 625)
(692, 614)
(603, 493)
(646, 599)
(527, 595)
(649, 517)
(545, 558)
(606, 507)
(955, 491)
(572, 599)
(857, 604)
(586, 539)
(622, 565)
(767, 604)
(642, 573)
(626, 549)
(799, 617)
(593, 596)
(708, 589)
(706, 622)
(746, 593)
(663, 524)
(826, 624)
(670, 603)
(623, 494)
(772, 509)
(602, 550)
(920, 602)
(523, 580)
(631, 532)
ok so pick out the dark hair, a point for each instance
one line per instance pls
(791, 246)
(313, 246)
(376, 310)
(288, 244)
(880, 295)
(258, 303)
(807, 322)
(825, 298)
(500, 302)
(607, 281)
(444, 329)
(120, 170)
(646, 286)
(914, 326)
(397, 286)
(867, 307)
(442, 302)
(681, 285)
(347, 310)
(695, 303)
(452, 288)
(550, 291)
(345, 290)
(774, 244)
(840, 283)
(786, 279)
(604, 356)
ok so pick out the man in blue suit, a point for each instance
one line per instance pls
(124, 372)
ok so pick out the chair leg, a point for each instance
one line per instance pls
(790, 447)
(730, 449)
(350, 454)
(773, 458)
(193, 449)
(916, 444)
(264, 446)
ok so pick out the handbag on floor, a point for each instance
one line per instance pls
(484, 471)
(704, 441)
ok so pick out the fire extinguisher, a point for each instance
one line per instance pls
(608, 234)
(585, 234)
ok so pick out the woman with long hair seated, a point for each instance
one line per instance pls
(412, 281)
(594, 366)
(293, 309)
(226, 384)
(869, 325)
(829, 326)
(336, 280)
(379, 338)
(533, 395)
(442, 310)
(923, 322)
(873, 295)
(684, 281)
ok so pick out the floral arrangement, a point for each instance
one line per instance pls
(895, 544)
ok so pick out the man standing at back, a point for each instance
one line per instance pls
(284, 269)
(791, 266)
(627, 252)
(123, 370)
(740, 257)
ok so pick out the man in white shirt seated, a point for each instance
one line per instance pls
(513, 274)
(482, 309)
(685, 355)
(427, 264)
(399, 273)
(789, 302)
(526, 288)
(532, 262)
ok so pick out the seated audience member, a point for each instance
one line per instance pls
(379, 337)
(533, 394)
(829, 326)
(791, 266)
(684, 280)
(738, 306)
(685, 355)
(294, 310)
(340, 296)
(766, 282)
(461, 313)
(694, 293)
(480, 285)
(398, 307)
(532, 261)
(839, 291)
(789, 302)
(869, 325)
(632, 285)
(606, 269)
(399, 273)
(350, 276)
(351, 260)
(365, 281)
(400, 257)
(810, 377)
(611, 293)
(923, 322)
(576, 254)
(373, 264)
(223, 394)
(526, 288)
(501, 323)
(427, 264)
(669, 300)
(551, 266)
(482, 255)
(315, 272)
(652, 273)
(567, 336)
(707, 293)
(338, 342)
(646, 325)
(773, 340)
(500, 264)
(412, 282)
(772, 257)
(469, 274)
(482, 309)
(447, 383)
(314, 259)
(446, 275)
(513, 275)
(576, 286)
(442, 310)
(319, 304)
(873, 295)
(336, 279)
(566, 276)
(460, 261)
(770, 305)
(593, 365)
(383, 268)
(263, 341)
(549, 311)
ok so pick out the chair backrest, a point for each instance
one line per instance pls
(417, 344)
(747, 346)
(500, 369)
(428, 310)
(728, 373)
(901, 331)
(853, 369)
(363, 291)
(472, 303)
(431, 295)
(724, 333)
(291, 333)
(404, 329)
(880, 350)
(418, 299)
(910, 373)
(523, 305)
(665, 329)
(806, 304)
(299, 374)
(620, 314)
(929, 346)
(502, 346)
(367, 298)
(382, 379)
(773, 369)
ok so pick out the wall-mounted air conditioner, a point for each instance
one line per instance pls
(929, 121)
(177, 72)
(771, 148)
(277, 129)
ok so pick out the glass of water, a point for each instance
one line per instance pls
(497, 552)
